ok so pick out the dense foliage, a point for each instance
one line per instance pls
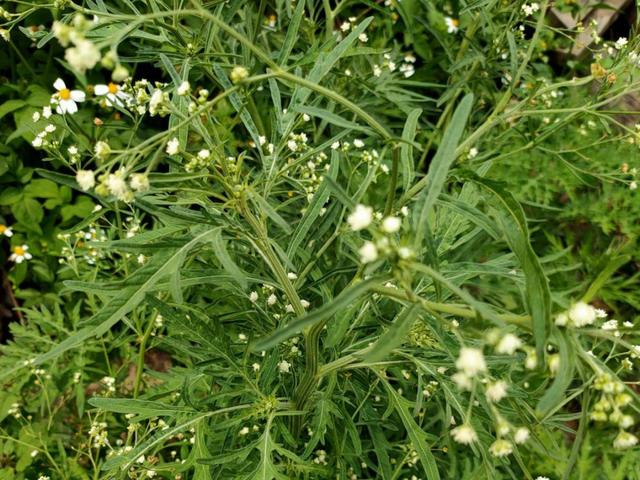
(317, 239)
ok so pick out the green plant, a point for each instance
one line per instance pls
(274, 289)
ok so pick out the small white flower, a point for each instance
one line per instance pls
(183, 89)
(117, 186)
(238, 74)
(102, 149)
(305, 303)
(335, 145)
(255, 366)
(83, 56)
(391, 224)
(471, 361)
(65, 98)
(368, 252)
(473, 152)
(262, 140)
(292, 276)
(244, 431)
(358, 143)
(582, 314)
(562, 319)
(625, 440)
(272, 299)
(501, 448)
(621, 43)
(496, 391)
(363, 37)
(361, 217)
(86, 179)
(139, 182)
(377, 71)
(345, 27)
(464, 434)
(20, 254)
(508, 344)
(284, 366)
(253, 297)
(521, 435)
(242, 337)
(173, 146)
(6, 231)
(452, 24)
(113, 94)
(35, 117)
(306, 117)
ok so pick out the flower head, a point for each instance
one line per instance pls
(501, 448)
(582, 314)
(391, 224)
(66, 99)
(464, 434)
(471, 361)
(86, 179)
(625, 440)
(508, 344)
(452, 24)
(139, 182)
(83, 56)
(6, 231)
(368, 252)
(496, 391)
(361, 217)
(173, 146)
(20, 254)
(113, 94)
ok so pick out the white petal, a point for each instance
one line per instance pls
(59, 84)
(77, 95)
(101, 89)
(19, 259)
(60, 109)
(28, 256)
(68, 106)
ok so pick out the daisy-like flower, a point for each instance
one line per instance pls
(360, 218)
(6, 231)
(20, 254)
(501, 448)
(66, 98)
(114, 96)
(452, 24)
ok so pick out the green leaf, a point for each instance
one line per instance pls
(554, 396)
(142, 408)
(394, 336)
(346, 297)
(406, 148)
(513, 224)
(226, 261)
(418, 437)
(10, 106)
(292, 34)
(442, 161)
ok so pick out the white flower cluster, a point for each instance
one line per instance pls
(530, 9)
(83, 55)
(580, 314)
(114, 184)
(362, 217)
(610, 407)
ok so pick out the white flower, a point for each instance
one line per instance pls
(20, 254)
(391, 224)
(621, 43)
(368, 252)
(305, 303)
(117, 186)
(625, 440)
(335, 145)
(102, 149)
(113, 94)
(238, 74)
(272, 299)
(452, 24)
(5, 34)
(35, 117)
(173, 146)
(521, 435)
(253, 297)
(6, 231)
(377, 71)
(284, 366)
(183, 89)
(65, 98)
(530, 9)
(582, 314)
(610, 325)
(255, 366)
(86, 179)
(508, 344)
(464, 434)
(83, 56)
(471, 361)
(46, 112)
(358, 143)
(361, 217)
(473, 152)
(244, 431)
(139, 182)
(501, 448)
(496, 391)
(562, 319)
(345, 27)
(462, 380)
(292, 276)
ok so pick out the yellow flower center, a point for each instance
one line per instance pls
(455, 22)
(19, 251)
(3, 228)
(65, 94)
(113, 88)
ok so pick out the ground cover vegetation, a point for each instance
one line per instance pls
(318, 240)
